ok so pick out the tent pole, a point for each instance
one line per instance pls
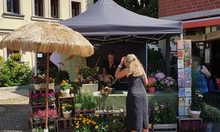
(181, 36)
(47, 87)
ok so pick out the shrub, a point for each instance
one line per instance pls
(163, 113)
(13, 72)
(210, 114)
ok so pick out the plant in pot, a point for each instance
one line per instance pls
(67, 110)
(65, 88)
(38, 81)
(151, 85)
(196, 105)
(88, 102)
(78, 106)
(51, 83)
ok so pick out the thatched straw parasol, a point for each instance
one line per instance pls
(48, 37)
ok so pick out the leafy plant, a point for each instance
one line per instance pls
(13, 72)
(87, 74)
(210, 114)
(67, 107)
(116, 126)
(162, 113)
(78, 105)
(87, 100)
(197, 101)
(65, 85)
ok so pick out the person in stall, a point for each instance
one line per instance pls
(109, 67)
(137, 100)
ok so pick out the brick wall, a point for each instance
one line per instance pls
(175, 7)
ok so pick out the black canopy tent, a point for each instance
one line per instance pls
(107, 21)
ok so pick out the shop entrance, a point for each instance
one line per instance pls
(215, 58)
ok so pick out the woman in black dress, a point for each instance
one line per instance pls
(137, 101)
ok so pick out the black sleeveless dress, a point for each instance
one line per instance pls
(136, 104)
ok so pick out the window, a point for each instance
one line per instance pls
(54, 8)
(75, 8)
(38, 8)
(13, 6)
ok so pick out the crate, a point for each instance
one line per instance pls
(89, 88)
(65, 124)
(163, 127)
(187, 123)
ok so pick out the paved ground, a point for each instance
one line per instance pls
(14, 110)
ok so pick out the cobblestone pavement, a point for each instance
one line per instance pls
(14, 111)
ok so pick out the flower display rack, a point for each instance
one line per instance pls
(37, 105)
(65, 123)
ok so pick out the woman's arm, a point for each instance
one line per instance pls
(145, 79)
(206, 71)
(121, 73)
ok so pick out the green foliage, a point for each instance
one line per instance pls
(66, 106)
(13, 72)
(78, 105)
(1, 60)
(88, 101)
(116, 126)
(65, 85)
(197, 101)
(144, 7)
(210, 114)
(88, 73)
(162, 113)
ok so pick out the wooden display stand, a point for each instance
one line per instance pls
(188, 120)
(65, 124)
(38, 106)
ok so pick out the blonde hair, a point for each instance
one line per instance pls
(134, 65)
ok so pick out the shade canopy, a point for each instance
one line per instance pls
(106, 17)
(48, 37)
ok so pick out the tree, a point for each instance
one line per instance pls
(143, 7)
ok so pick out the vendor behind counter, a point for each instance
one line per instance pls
(109, 66)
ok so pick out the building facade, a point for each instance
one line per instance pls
(201, 24)
(15, 13)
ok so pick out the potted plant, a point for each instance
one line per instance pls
(163, 116)
(88, 102)
(51, 83)
(65, 88)
(78, 106)
(38, 81)
(151, 85)
(88, 78)
(196, 105)
(67, 110)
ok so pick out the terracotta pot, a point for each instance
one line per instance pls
(151, 90)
